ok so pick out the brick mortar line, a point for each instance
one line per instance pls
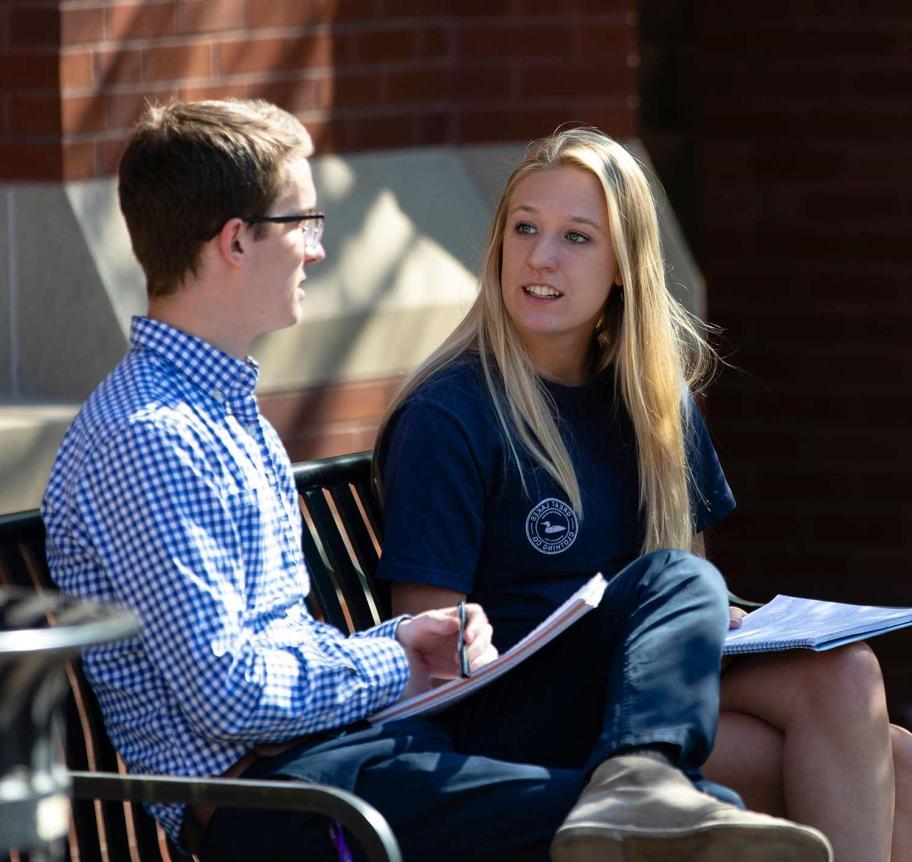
(419, 62)
(316, 74)
(369, 25)
(343, 425)
(72, 4)
(381, 24)
(172, 40)
(106, 5)
(826, 23)
(342, 114)
(305, 73)
(41, 50)
(335, 389)
(44, 5)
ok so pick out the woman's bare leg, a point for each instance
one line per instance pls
(902, 766)
(747, 757)
(836, 757)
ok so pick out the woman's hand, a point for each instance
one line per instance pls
(735, 615)
(429, 640)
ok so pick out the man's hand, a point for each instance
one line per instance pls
(429, 640)
(735, 615)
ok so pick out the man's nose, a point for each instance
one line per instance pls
(315, 256)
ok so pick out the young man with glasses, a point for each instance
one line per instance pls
(172, 494)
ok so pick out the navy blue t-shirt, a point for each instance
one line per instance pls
(456, 514)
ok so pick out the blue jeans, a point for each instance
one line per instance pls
(496, 774)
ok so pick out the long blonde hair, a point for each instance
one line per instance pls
(657, 347)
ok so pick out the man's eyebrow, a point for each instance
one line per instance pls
(577, 218)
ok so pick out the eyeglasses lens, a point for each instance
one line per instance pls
(313, 233)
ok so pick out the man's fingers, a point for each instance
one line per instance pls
(480, 642)
(487, 656)
(735, 615)
(477, 637)
(476, 623)
(414, 633)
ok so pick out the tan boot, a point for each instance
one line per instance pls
(636, 809)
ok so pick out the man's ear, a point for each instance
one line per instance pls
(232, 242)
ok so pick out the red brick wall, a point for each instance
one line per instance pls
(362, 74)
(804, 180)
(330, 420)
(800, 129)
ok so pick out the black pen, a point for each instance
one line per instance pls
(465, 669)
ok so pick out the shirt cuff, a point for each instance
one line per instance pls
(388, 628)
(383, 663)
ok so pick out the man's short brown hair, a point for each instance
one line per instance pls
(192, 166)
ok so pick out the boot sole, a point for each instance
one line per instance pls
(710, 843)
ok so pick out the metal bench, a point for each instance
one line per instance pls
(341, 543)
(108, 822)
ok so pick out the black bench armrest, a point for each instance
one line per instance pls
(360, 818)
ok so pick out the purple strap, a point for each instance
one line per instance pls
(338, 838)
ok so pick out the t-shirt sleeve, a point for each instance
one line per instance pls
(710, 497)
(433, 498)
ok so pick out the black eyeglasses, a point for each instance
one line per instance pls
(311, 224)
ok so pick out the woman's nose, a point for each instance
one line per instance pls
(543, 255)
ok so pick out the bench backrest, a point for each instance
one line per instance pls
(341, 540)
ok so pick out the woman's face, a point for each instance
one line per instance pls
(558, 263)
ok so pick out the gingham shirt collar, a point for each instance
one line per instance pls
(209, 369)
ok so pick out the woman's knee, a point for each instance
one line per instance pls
(850, 670)
(679, 570)
(842, 681)
(838, 686)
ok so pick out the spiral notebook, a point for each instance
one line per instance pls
(792, 623)
(581, 602)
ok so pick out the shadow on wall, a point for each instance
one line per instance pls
(405, 235)
(29, 437)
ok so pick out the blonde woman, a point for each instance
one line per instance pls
(554, 434)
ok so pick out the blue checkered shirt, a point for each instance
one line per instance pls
(172, 495)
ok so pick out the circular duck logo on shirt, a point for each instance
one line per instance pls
(551, 526)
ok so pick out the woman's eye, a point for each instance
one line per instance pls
(524, 228)
(576, 237)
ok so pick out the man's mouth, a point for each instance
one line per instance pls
(542, 291)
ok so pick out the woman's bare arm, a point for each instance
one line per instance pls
(414, 599)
